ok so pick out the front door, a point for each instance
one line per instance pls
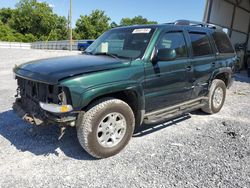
(167, 81)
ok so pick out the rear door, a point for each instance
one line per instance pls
(203, 62)
(167, 82)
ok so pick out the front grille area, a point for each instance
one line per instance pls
(37, 91)
(30, 93)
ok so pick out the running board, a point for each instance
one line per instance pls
(174, 111)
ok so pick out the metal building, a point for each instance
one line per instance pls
(234, 16)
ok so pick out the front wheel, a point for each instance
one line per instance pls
(216, 97)
(106, 127)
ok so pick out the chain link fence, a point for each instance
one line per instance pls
(57, 45)
(44, 45)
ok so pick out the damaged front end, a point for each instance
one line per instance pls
(41, 103)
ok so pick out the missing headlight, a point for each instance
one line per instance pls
(62, 98)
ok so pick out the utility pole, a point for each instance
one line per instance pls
(70, 25)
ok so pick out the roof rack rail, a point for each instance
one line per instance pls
(194, 23)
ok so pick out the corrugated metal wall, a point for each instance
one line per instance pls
(231, 14)
(234, 15)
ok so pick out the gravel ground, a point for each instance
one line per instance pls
(196, 150)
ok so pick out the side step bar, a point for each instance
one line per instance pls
(174, 111)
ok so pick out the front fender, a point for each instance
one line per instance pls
(95, 92)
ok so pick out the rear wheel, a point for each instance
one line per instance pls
(216, 97)
(106, 127)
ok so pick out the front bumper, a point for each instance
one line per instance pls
(32, 113)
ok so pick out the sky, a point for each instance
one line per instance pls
(162, 11)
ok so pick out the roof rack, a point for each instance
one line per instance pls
(194, 23)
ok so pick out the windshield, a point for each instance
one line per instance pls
(124, 42)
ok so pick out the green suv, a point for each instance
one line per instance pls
(128, 77)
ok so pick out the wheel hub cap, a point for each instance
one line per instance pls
(218, 97)
(111, 129)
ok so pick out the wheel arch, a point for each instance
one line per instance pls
(132, 95)
(223, 74)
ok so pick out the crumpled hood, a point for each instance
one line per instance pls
(54, 69)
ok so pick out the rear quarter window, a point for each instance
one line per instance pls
(200, 44)
(222, 42)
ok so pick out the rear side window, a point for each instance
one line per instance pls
(174, 41)
(200, 44)
(222, 42)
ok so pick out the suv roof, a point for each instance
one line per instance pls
(194, 25)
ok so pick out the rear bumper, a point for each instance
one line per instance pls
(33, 114)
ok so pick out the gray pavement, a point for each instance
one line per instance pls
(198, 150)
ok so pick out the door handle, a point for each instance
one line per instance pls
(189, 68)
(213, 63)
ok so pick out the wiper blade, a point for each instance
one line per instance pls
(107, 54)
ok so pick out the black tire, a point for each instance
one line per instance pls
(210, 107)
(87, 126)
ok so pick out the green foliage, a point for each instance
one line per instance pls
(6, 14)
(33, 17)
(33, 20)
(138, 20)
(92, 26)
(61, 28)
(8, 34)
(29, 38)
(76, 36)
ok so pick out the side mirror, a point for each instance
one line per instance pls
(166, 54)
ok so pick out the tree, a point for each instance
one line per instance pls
(6, 14)
(62, 27)
(29, 38)
(32, 20)
(60, 31)
(8, 34)
(138, 20)
(33, 17)
(38, 19)
(92, 26)
(76, 36)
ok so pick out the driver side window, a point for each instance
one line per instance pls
(174, 41)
